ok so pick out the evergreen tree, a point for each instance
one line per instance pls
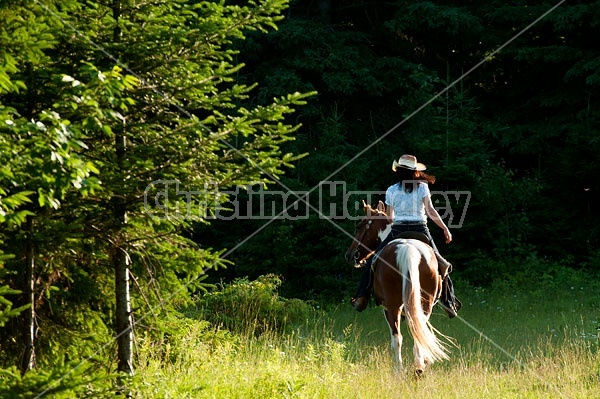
(169, 124)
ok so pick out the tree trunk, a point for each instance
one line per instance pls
(124, 317)
(28, 360)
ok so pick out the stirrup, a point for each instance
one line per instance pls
(450, 309)
(457, 304)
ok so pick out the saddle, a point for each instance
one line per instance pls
(444, 267)
(415, 235)
(406, 235)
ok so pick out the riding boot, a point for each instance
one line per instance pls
(361, 300)
(450, 303)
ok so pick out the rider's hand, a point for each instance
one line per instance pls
(448, 235)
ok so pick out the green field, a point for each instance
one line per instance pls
(517, 339)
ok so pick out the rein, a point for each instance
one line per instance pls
(360, 241)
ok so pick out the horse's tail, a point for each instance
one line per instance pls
(408, 258)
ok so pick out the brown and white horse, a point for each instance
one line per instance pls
(406, 282)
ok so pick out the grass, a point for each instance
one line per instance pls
(513, 342)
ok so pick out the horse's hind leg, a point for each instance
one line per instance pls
(393, 319)
(419, 361)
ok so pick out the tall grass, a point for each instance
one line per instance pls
(513, 342)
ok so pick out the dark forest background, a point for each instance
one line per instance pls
(519, 132)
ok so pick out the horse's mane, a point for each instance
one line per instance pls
(379, 211)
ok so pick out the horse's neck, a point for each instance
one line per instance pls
(383, 233)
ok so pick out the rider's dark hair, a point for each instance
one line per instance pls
(408, 178)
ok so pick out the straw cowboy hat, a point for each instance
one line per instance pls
(408, 162)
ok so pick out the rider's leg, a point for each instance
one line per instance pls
(444, 267)
(361, 300)
(363, 293)
(365, 281)
(450, 303)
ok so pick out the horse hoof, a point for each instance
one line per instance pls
(419, 373)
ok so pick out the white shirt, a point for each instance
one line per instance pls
(408, 207)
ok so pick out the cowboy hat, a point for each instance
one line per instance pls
(408, 162)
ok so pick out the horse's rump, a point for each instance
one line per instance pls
(388, 276)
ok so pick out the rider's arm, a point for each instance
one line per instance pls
(435, 216)
(389, 211)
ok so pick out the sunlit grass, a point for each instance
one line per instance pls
(511, 344)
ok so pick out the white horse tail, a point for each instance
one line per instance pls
(408, 258)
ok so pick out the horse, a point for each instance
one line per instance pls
(406, 283)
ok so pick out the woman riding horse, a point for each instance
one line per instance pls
(408, 203)
(406, 283)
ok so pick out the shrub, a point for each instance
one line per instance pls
(253, 307)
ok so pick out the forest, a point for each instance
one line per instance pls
(151, 153)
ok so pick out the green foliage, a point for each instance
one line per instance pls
(64, 380)
(6, 310)
(84, 140)
(169, 341)
(253, 307)
(424, 19)
(41, 145)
